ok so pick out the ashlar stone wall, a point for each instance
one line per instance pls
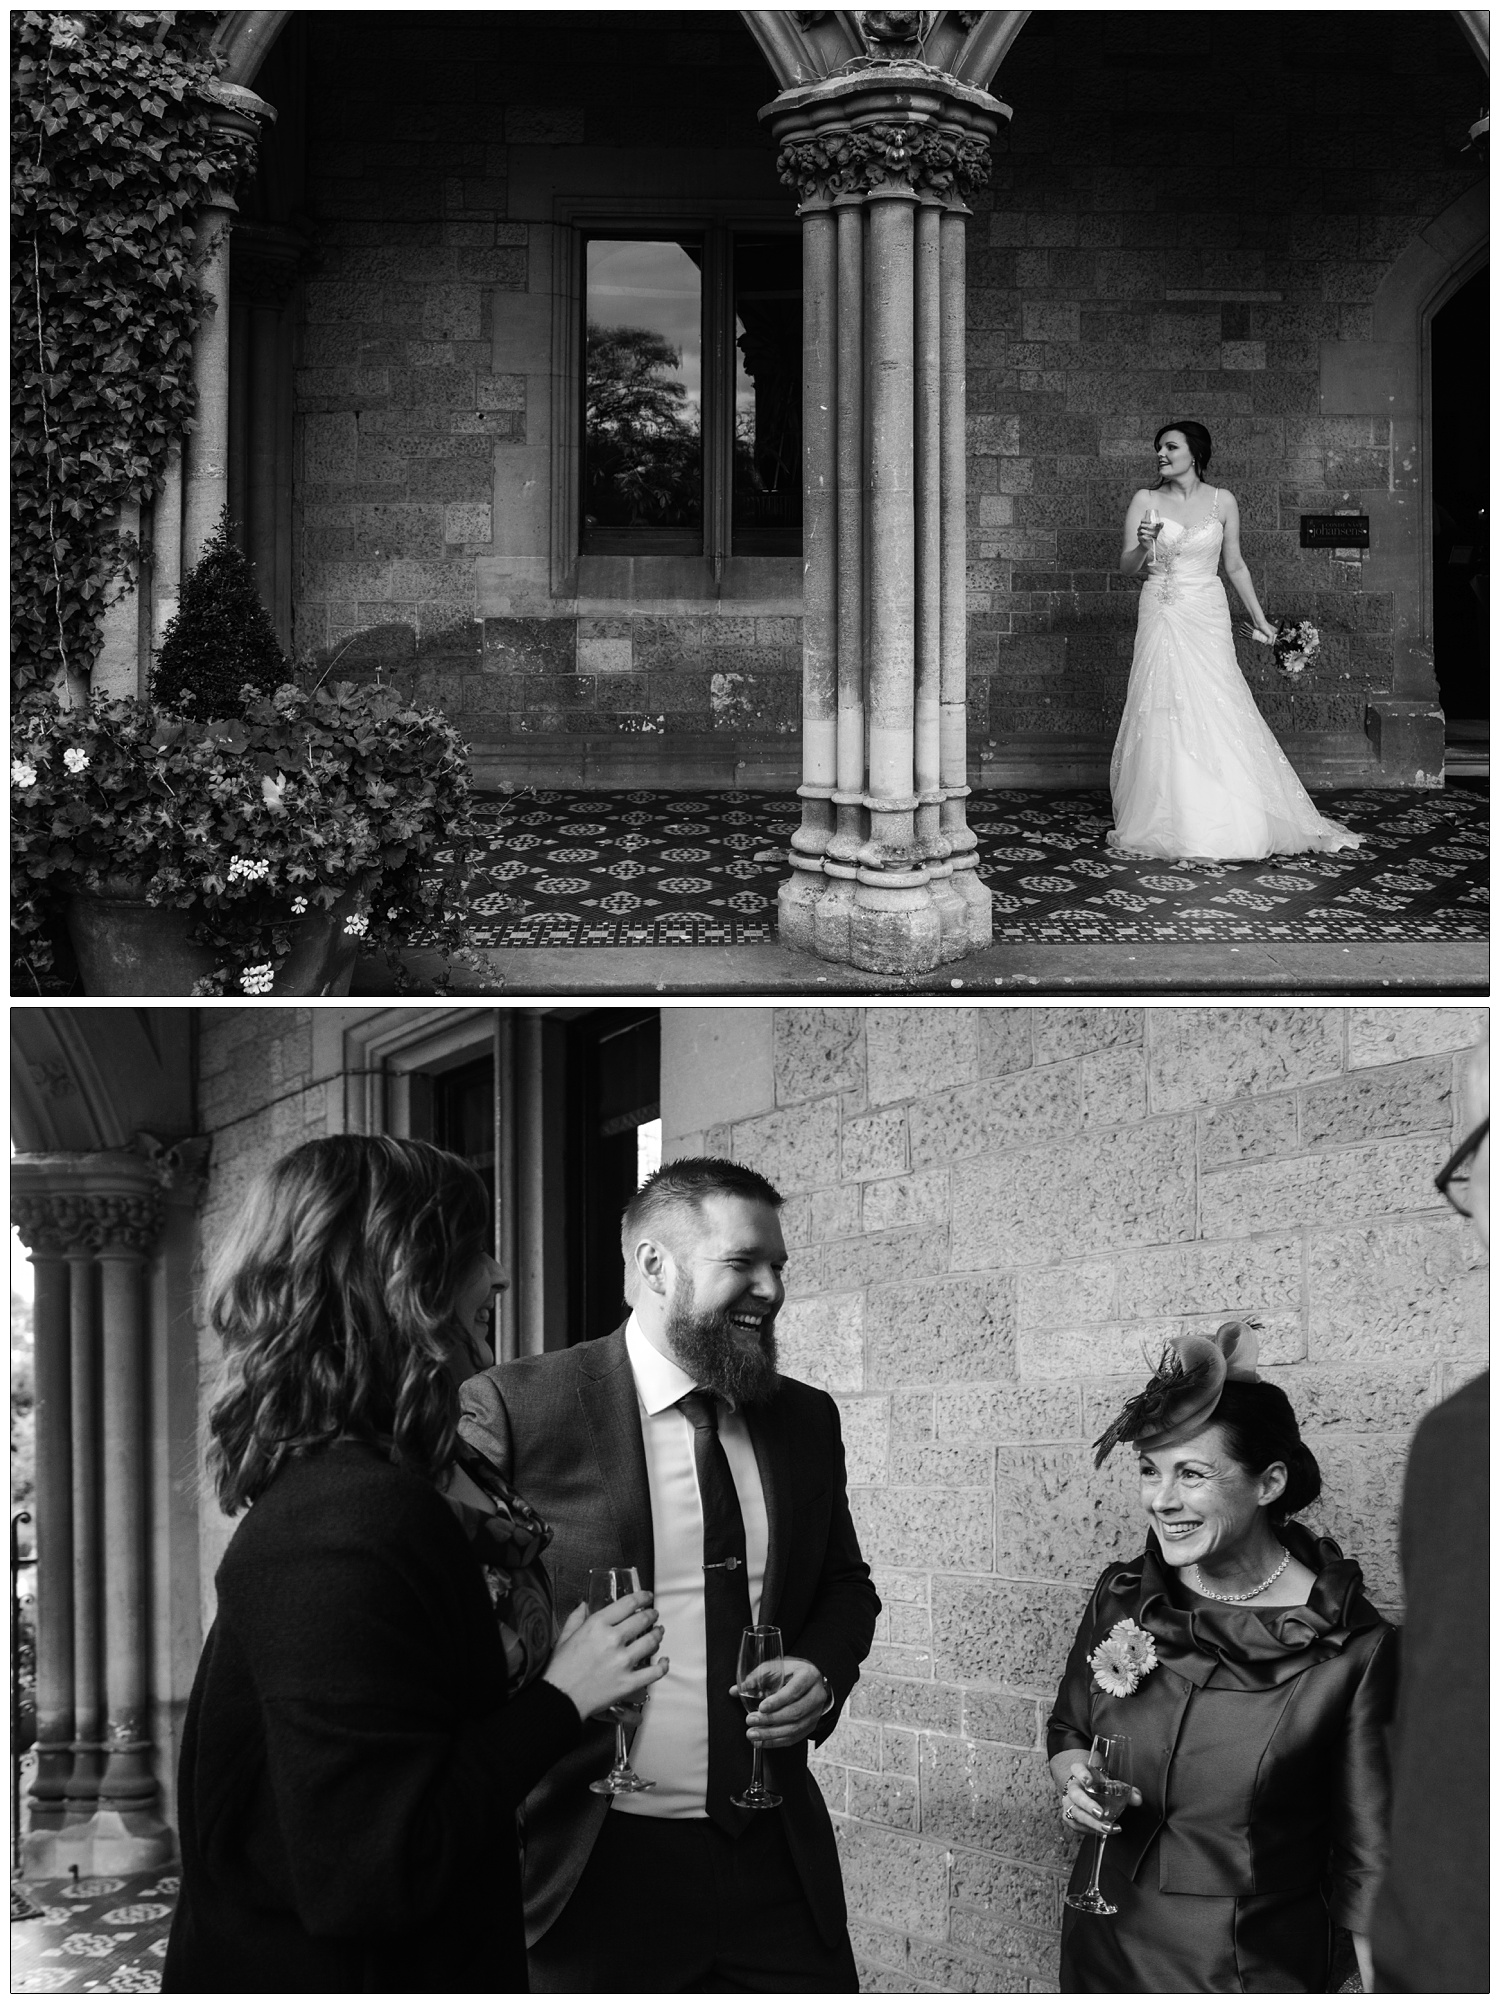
(1189, 213)
(995, 1215)
(439, 145)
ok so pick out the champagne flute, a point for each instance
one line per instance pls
(1108, 1785)
(607, 1584)
(760, 1673)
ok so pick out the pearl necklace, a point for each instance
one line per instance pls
(1270, 1580)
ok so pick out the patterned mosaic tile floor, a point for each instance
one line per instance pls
(93, 1934)
(660, 869)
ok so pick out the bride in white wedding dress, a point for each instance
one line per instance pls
(1196, 771)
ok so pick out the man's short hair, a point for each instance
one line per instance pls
(684, 1185)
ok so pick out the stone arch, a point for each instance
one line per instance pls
(83, 1080)
(799, 48)
(245, 37)
(1388, 377)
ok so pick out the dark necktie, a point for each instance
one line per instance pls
(726, 1607)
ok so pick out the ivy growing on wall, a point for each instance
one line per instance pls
(112, 156)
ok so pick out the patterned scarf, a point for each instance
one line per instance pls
(508, 1539)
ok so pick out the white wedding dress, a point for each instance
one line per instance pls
(1196, 770)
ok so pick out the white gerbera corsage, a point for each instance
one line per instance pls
(1123, 1658)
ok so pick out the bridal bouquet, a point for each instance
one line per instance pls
(1296, 643)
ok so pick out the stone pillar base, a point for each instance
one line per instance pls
(953, 915)
(895, 931)
(979, 905)
(41, 1847)
(130, 1840)
(797, 904)
(835, 912)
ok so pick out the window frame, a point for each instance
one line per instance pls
(716, 221)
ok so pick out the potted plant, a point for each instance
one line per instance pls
(247, 841)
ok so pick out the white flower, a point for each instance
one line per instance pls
(299, 906)
(1123, 1658)
(392, 911)
(250, 868)
(76, 759)
(257, 980)
(357, 924)
(22, 772)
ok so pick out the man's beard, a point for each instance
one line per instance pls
(721, 1357)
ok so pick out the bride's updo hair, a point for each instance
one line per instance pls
(1199, 444)
(1259, 1427)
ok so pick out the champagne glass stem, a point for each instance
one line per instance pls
(621, 1754)
(1098, 1861)
(757, 1784)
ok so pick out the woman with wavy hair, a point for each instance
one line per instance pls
(1240, 1658)
(380, 1688)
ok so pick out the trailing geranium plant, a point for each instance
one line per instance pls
(312, 797)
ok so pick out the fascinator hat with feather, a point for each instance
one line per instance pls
(1184, 1390)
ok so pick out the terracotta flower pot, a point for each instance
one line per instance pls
(126, 947)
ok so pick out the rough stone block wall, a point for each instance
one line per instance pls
(994, 1215)
(413, 445)
(1184, 209)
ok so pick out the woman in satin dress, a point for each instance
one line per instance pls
(1196, 770)
(1257, 1822)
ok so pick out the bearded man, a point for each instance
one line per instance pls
(675, 1446)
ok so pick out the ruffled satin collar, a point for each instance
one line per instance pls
(1240, 1649)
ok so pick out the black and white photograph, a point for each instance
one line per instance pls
(901, 1498)
(749, 1011)
(562, 502)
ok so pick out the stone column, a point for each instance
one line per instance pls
(88, 1652)
(891, 146)
(46, 1237)
(206, 459)
(166, 550)
(92, 1219)
(117, 665)
(798, 901)
(129, 1835)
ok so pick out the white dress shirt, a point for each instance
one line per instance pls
(671, 1746)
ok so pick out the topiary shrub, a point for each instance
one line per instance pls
(220, 640)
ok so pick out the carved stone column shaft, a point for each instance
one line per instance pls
(90, 1220)
(889, 146)
(53, 1515)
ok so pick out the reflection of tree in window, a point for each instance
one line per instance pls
(644, 460)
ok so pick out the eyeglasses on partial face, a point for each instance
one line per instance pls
(1452, 1179)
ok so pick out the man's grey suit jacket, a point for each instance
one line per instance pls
(567, 1427)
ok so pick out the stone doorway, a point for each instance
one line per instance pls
(1460, 514)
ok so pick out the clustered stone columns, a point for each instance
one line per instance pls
(181, 516)
(884, 865)
(90, 1222)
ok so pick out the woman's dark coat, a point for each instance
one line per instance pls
(351, 1769)
(1258, 1741)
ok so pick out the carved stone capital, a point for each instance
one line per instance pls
(67, 1222)
(890, 155)
(884, 127)
(86, 1203)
